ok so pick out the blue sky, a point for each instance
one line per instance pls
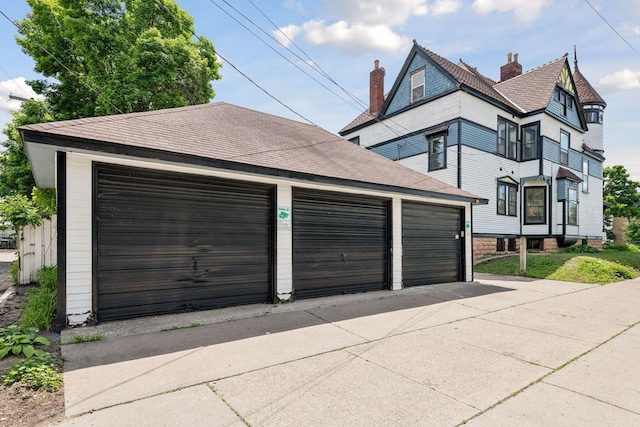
(344, 37)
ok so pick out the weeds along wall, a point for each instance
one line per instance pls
(36, 249)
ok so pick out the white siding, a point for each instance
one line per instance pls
(79, 247)
(590, 209)
(481, 112)
(479, 176)
(284, 250)
(448, 174)
(396, 215)
(431, 114)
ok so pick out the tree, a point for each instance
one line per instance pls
(15, 174)
(115, 56)
(621, 193)
(632, 231)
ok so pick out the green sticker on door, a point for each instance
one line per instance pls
(284, 218)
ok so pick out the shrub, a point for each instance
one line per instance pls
(39, 308)
(14, 271)
(37, 372)
(627, 247)
(47, 277)
(582, 249)
(20, 340)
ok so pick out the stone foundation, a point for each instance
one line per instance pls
(488, 246)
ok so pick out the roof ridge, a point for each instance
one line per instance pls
(534, 69)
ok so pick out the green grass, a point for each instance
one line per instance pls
(40, 305)
(175, 328)
(79, 339)
(602, 267)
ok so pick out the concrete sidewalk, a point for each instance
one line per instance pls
(501, 351)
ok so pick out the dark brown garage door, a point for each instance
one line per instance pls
(169, 242)
(431, 252)
(340, 243)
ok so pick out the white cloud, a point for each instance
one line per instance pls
(366, 25)
(620, 81)
(355, 37)
(523, 10)
(636, 30)
(286, 34)
(16, 87)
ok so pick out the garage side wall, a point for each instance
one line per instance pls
(79, 234)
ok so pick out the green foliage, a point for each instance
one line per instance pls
(79, 339)
(44, 200)
(621, 192)
(14, 271)
(632, 230)
(37, 372)
(20, 211)
(47, 277)
(20, 340)
(592, 270)
(139, 55)
(582, 249)
(563, 266)
(627, 247)
(39, 309)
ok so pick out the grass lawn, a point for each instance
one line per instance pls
(602, 267)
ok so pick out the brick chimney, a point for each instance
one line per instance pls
(376, 89)
(511, 68)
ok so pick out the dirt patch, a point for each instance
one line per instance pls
(19, 405)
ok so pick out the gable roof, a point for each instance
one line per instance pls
(231, 137)
(532, 90)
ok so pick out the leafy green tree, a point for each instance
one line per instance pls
(115, 56)
(15, 173)
(632, 231)
(621, 192)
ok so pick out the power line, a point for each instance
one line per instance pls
(611, 26)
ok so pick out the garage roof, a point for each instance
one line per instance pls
(227, 136)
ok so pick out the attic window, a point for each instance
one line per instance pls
(565, 99)
(417, 85)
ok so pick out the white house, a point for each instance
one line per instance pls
(531, 144)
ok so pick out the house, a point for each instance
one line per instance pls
(216, 205)
(531, 143)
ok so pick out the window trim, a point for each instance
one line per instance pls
(423, 84)
(510, 146)
(563, 151)
(585, 175)
(430, 140)
(536, 128)
(565, 99)
(510, 198)
(572, 202)
(527, 221)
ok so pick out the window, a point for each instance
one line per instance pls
(499, 245)
(355, 140)
(585, 176)
(572, 212)
(507, 199)
(507, 138)
(417, 85)
(564, 147)
(593, 116)
(437, 152)
(535, 206)
(565, 100)
(529, 142)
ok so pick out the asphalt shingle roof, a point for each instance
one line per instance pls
(586, 92)
(222, 131)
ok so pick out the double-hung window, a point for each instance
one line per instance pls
(529, 142)
(507, 138)
(585, 176)
(437, 152)
(417, 85)
(572, 211)
(564, 147)
(507, 199)
(565, 100)
(535, 205)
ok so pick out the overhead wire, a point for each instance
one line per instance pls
(611, 26)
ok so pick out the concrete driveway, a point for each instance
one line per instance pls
(500, 351)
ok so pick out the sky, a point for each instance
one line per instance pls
(326, 81)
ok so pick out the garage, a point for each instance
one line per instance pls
(340, 243)
(172, 242)
(432, 244)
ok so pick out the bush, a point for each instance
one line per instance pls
(37, 372)
(14, 271)
(47, 277)
(582, 249)
(627, 247)
(20, 340)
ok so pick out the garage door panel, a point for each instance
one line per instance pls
(339, 243)
(153, 226)
(431, 251)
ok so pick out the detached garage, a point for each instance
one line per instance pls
(216, 205)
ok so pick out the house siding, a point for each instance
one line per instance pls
(479, 137)
(436, 84)
(555, 108)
